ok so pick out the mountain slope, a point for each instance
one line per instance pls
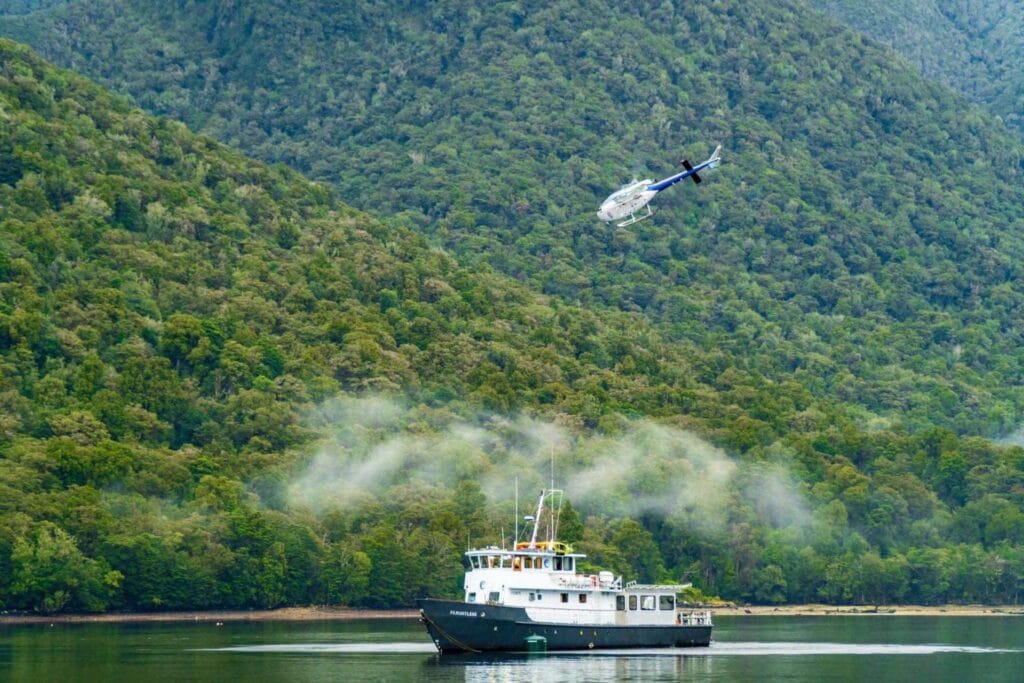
(863, 236)
(171, 313)
(976, 47)
(13, 7)
(176, 320)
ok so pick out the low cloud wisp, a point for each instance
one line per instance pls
(374, 443)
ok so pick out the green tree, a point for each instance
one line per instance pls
(639, 550)
(770, 585)
(570, 527)
(50, 574)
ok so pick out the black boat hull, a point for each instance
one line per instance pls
(461, 627)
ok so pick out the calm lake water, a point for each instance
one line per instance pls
(882, 648)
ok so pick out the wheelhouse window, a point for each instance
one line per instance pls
(558, 564)
(632, 602)
(647, 602)
(666, 602)
(583, 597)
(565, 597)
(620, 602)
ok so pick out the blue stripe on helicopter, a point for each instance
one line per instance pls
(670, 181)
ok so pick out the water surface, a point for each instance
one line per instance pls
(821, 648)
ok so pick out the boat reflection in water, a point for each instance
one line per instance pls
(495, 667)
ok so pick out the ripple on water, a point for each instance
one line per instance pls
(716, 649)
(332, 648)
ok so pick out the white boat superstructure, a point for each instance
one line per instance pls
(543, 577)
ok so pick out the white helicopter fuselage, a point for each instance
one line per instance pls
(630, 198)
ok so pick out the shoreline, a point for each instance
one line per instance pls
(216, 616)
(348, 614)
(869, 610)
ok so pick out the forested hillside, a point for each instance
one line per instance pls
(863, 237)
(177, 321)
(27, 6)
(976, 47)
(172, 314)
(222, 386)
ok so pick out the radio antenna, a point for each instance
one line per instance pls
(515, 538)
(551, 529)
(552, 455)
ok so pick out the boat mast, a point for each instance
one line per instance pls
(515, 538)
(536, 520)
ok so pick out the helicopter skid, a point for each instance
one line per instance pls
(636, 219)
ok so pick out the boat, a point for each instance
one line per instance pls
(532, 597)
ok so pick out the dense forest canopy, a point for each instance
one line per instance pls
(976, 47)
(220, 385)
(27, 6)
(863, 237)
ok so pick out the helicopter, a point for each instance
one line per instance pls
(638, 194)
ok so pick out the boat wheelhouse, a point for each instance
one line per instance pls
(535, 590)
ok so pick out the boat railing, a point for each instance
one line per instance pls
(633, 586)
(584, 582)
(693, 618)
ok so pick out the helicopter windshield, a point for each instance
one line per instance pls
(625, 191)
